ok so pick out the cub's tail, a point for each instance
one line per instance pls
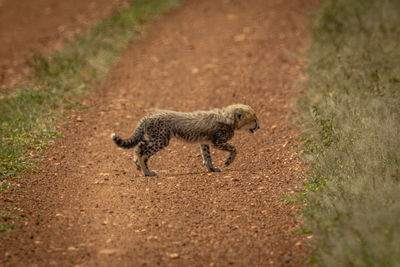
(131, 141)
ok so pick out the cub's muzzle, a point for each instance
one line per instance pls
(256, 127)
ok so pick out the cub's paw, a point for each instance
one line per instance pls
(150, 173)
(215, 169)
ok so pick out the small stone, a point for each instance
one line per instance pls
(155, 59)
(173, 255)
(246, 29)
(108, 251)
(152, 238)
(264, 212)
(209, 66)
(231, 16)
(239, 38)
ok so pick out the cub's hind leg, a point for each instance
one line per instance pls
(205, 153)
(142, 155)
(148, 149)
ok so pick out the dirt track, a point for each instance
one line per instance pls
(42, 26)
(90, 206)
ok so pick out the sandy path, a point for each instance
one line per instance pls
(89, 206)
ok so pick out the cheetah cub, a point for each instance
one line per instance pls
(214, 127)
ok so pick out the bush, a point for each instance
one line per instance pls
(351, 122)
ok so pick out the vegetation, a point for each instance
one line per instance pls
(351, 120)
(9, 219)
(29, 115)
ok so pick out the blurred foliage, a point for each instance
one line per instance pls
(351, 122)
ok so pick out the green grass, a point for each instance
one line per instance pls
(7, 227)
(29, 115)
(9, 219)
(351, 122)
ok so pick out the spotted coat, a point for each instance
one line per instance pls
(215, 128)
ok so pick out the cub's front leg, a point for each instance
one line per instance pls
(205, 153)
(227, 147)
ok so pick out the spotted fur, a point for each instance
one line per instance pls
(215, 127)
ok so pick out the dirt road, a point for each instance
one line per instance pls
(89, 206)
(42, 26)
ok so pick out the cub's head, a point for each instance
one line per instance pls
(245, 117)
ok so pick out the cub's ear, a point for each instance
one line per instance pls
(238, 113)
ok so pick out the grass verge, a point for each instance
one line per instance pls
(351, 121)
(28, 118)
